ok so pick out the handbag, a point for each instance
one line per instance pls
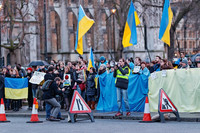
(82, 86)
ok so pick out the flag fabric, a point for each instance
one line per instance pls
(130, 32)
(166, 22)
(91, 60)
(84, 24)
(16, 88)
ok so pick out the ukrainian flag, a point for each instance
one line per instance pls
(84, 24)
(91, 60)
(16, 88)
(166, 22)
(130, 33)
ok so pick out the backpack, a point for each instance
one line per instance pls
(46, 85)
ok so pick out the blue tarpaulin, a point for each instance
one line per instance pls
(137, 92)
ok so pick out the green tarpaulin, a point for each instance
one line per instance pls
(181, 85)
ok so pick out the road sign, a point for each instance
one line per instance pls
(78, 106)
(165, 105)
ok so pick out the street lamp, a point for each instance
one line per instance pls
(113, 11)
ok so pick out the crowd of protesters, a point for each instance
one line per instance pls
(59, 96)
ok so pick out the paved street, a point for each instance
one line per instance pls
(19, 125)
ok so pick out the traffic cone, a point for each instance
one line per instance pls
(147, 115)
(34, 116)
(2, 112)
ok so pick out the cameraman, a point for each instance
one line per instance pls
(50, 97)
(121, 73)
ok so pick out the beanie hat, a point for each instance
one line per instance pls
(102, 58)
(185, 61)
(30, 69)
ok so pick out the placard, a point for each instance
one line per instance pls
(136, 69)
(37, 77)
(67, 80)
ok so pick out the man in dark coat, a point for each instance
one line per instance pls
(50, 97)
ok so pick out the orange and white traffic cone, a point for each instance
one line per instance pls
(34, 116)
(2, 112)
(147, 115)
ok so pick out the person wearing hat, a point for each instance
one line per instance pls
(102, 60)
(30, 94)
(184, 64)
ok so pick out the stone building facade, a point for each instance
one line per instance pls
(103, 37)
(62, 21)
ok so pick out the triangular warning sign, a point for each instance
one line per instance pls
(165, 104)
(78, 104)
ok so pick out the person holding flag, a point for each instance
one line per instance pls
(91, 60)
(130, 32)
(84, 24)
(166, 22)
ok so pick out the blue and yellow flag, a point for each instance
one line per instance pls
(91, 60)
(84, 24)
(166, 22)
(16, 88)
(130, 33)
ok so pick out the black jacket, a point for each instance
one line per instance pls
(121, 82)
(90, 84)
(75, 77)
(49, 76)
(52, 92)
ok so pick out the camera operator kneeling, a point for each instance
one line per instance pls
(50, 97)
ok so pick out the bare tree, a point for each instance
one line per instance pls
(181, 10)
(17, 19)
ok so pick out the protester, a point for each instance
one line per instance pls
(50, 97)
(156, 67)
(15, 102)
(90, 88)
(164, 64)
(1, 86)
(184, 64)
(130, 63)
(144, 70)
(101, 71)
(121, 73)
(30, 94)
(182, 57)
(68, 89)
(198, 64)
(191, 65)
(102, 61)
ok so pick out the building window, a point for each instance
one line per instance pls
(89, 39)
(72, 42)
(103, 18)
(70, 19)
(90, 1)
(190, 44)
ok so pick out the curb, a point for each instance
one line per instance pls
(183, 119)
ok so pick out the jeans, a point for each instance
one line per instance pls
(52, 108)
(34, 92)
(122, 93)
